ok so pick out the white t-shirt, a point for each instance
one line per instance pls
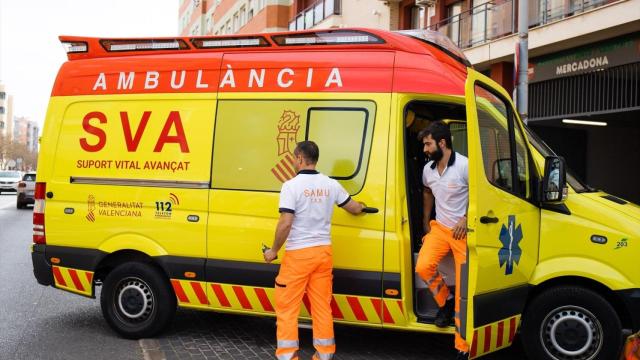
(451, 190)
(310, 196)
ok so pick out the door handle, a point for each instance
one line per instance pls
(370, 210)
(488, 220)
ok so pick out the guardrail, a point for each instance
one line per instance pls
(493, 20)
(314, 14)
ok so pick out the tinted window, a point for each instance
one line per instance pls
(29, 177)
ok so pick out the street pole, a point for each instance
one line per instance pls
(523, 61)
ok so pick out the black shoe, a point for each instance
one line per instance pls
(445, 314)
(462, 355)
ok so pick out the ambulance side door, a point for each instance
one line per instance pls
(503, 219)
(258, 124)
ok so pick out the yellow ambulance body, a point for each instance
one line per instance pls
(161, 161)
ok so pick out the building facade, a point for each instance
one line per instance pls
(584, 76)
(26, 132)
(584, 61)
(225, 17)
(6, 114)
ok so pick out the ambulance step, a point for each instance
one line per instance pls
(426, 307)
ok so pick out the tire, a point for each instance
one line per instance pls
(137, 300)
(571, 323)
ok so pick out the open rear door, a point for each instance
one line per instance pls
(503, 219)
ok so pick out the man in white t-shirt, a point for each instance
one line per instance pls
(446, 182)
(306, 207)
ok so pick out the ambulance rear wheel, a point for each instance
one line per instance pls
(571, 323)
(137, 300)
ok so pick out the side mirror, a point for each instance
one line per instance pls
(554, 183)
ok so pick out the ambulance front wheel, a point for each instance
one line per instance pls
(137, 300)
(571, 323)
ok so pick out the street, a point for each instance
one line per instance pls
(38, 322)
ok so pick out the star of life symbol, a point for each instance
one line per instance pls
(287, 138)
(510, 237)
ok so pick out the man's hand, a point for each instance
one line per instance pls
(460, 229)
(270, 255)
(354, 207)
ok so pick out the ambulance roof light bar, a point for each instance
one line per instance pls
(330, 37)
(74, 47)
(230, 42)
(143, 44)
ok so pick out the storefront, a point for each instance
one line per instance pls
(585, 103)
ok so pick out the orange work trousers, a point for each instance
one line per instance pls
(307, 270)
(435, 246)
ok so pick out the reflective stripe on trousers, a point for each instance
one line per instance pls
(288, 344)
(325, 348)
(322, 356)
(288, 356)
(287, 350)
(324, 342)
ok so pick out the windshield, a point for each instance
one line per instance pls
(578, 185)
(9, 174)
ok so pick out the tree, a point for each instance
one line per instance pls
(3, 150)
(11, 150)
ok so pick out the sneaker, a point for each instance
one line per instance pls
(445, 314)
(462, 355)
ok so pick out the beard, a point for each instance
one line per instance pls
(435, 156)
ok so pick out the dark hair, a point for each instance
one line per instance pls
(438, 131)
(309, 151)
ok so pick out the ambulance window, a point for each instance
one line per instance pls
(522, 162)
(341, 135)
(496, 123)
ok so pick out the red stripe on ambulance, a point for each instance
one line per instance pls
(335, 309)
(202, 297)
(182, 297)
(356, 308)
(500, 334)
(222, 298)
(264, 299)
(242, 297)
(383, 312)
(58, 275)
(76, 280)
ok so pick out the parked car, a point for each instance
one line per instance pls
(26, 189)
(9, 180)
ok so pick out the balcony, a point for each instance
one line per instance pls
(314, 14)
(493, 20)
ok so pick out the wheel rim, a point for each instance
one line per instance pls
(134, 301)
(571, 332)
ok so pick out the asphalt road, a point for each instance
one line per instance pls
(38, 322)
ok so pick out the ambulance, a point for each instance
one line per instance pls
(161, 162)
